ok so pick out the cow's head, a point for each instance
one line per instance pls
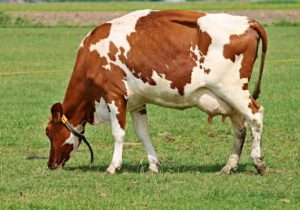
(63, 142)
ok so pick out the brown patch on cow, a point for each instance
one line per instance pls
(186, 23)
(100, 32)
(112, 51)
(202, 60)
(166, 52)
(143, 112)
(246, 45)
(204, 42)
(122, 54)
(245, 86)
(253, 105)
(206, 71)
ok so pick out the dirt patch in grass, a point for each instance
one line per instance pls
(95, 18)
(68, 18)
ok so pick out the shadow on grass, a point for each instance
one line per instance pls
(131, 168)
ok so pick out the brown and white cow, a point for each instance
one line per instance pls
(175, 59)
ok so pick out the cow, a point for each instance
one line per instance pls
(174, 59)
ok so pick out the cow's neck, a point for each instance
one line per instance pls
(76, 105)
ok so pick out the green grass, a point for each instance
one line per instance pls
(128, 6)
(44, 58)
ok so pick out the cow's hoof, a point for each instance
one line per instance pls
(153, 169)
(111, 170)
(228, 170)
(260, 166)
(261, 170)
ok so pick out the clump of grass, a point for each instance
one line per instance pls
(6, 20)
(286, 23)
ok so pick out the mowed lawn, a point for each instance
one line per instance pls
(35, 66)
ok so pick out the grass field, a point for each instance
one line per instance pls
(35, 65)
(128, 6)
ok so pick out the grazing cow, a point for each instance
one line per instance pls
(175, 59)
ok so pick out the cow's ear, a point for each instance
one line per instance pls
(57, 112)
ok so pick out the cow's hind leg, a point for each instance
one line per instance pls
(239, 129)
(140, 121)
(256, 130)
(118, 116)
(242, 101)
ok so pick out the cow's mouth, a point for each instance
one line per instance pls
(59, 164)
(53, 166)
(56, 166)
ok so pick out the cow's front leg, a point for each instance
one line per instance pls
(118, 117)
(140, 121)
(239, 128)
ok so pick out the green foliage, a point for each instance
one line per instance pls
(35, 67)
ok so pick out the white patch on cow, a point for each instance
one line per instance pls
(220, 27)
(73, 140)
(198, 76)
(120, 29)
(101, 114)
(127, 89)
(116, 128)
(256, 134)
(118, 134)
(82, 41)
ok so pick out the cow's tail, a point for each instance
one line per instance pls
(263, 36)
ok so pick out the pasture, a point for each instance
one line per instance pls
(129, 6)
(35, 66)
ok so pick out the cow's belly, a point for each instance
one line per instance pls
(201, 98)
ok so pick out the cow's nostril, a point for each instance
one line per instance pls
(52, 166)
